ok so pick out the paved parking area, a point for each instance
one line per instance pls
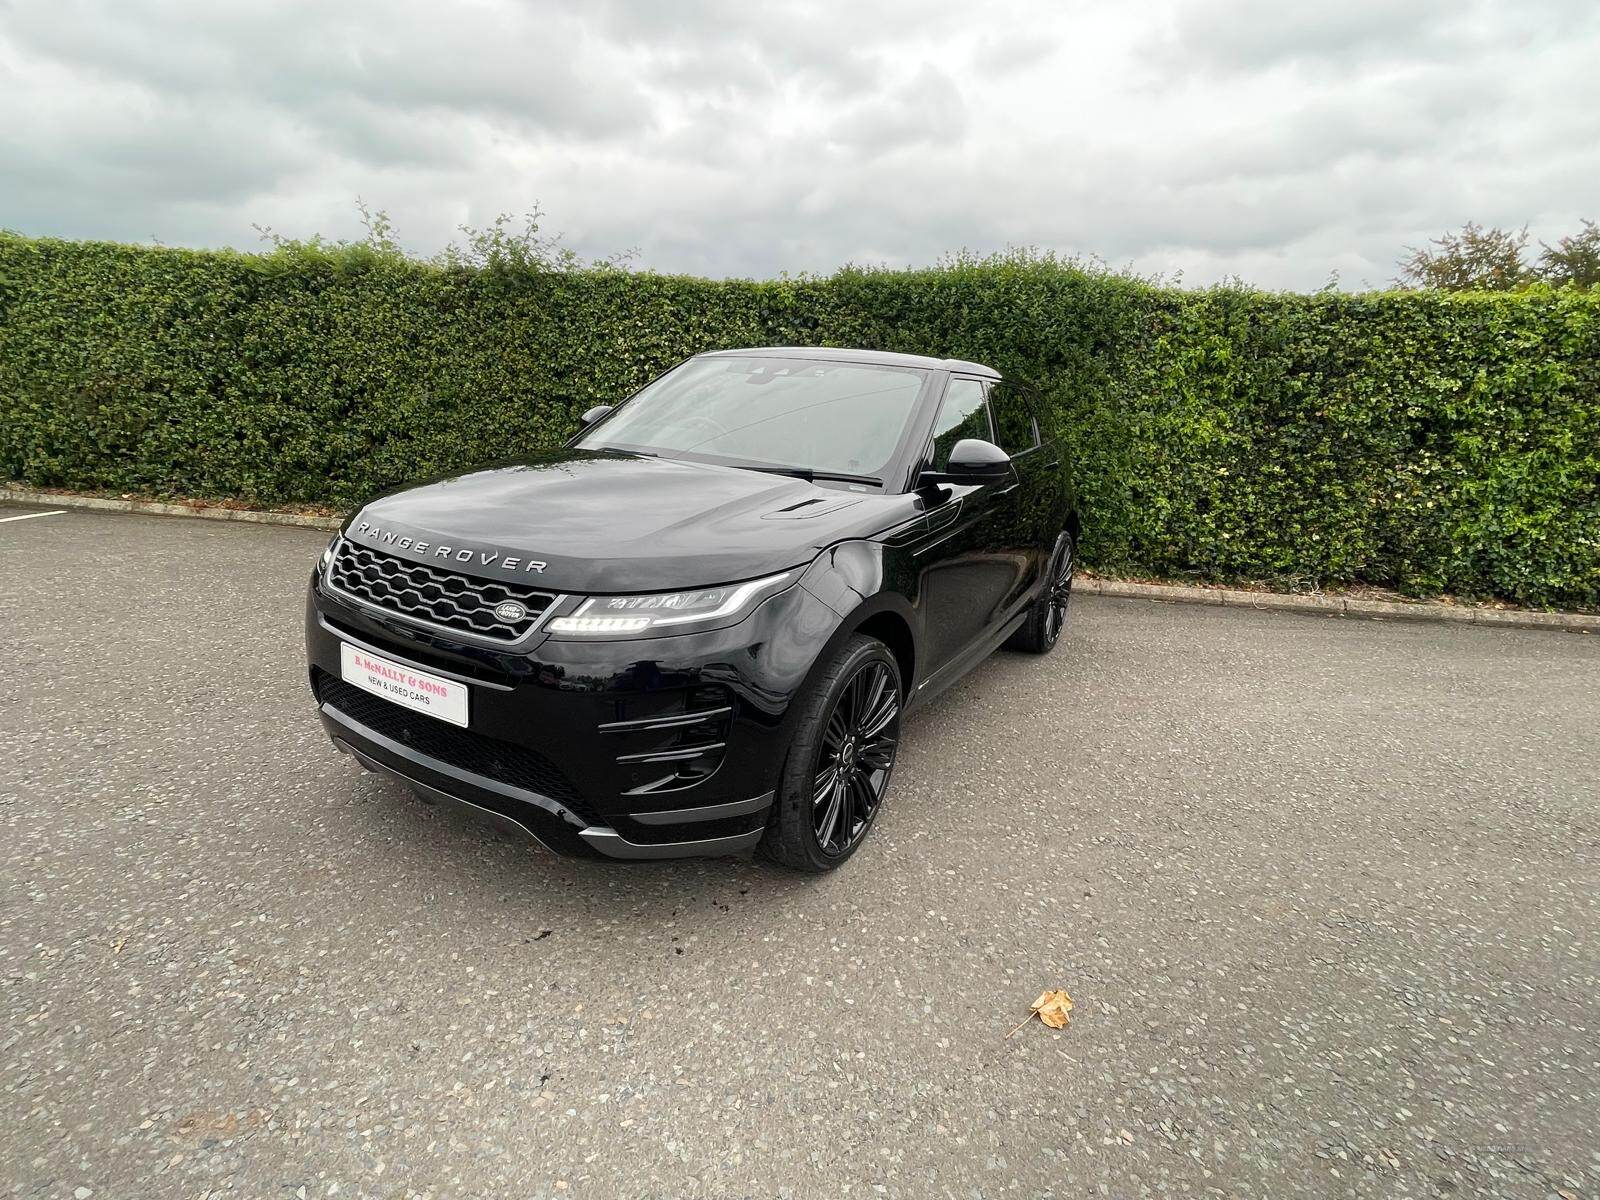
(1324, 891)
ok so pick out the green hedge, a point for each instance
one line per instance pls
(1424, 441)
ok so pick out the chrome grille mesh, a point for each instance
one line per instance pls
(424, 593)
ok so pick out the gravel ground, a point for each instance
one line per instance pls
(1323, 890)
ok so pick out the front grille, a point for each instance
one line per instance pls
(425, 593)
(504, 762)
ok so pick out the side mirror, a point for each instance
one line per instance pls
(972, 461)
(595, 413)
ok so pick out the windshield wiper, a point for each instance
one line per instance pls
(811, 476)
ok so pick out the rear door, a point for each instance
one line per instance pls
(1026, 533)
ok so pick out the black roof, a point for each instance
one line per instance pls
(880, 358)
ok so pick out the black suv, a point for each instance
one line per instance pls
(695, 630)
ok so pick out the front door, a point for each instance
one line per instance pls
(965, 569)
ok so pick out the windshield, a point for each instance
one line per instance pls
(780, 413)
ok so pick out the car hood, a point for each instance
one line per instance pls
(586, 522)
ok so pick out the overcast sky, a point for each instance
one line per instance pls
(1271, 139)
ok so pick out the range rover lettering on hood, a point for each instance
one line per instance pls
(461, 554)
(593, 524)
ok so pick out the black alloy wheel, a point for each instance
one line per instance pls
(856, 757)
(1060, 593)
(846, 734)
(1047, 615)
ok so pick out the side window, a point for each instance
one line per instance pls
(1013, 419)
(962, 415)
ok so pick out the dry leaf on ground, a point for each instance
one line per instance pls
(1053, 1008)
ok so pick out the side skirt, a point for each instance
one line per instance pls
(959, 666)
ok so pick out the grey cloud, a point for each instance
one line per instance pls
(1354, 34)
(926, 108)
(1255, 33)
(1390, 119)
(1006, 52)
(829, 50)
(1209, 136)
(120, 148)
(536, 71)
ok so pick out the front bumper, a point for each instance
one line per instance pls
(655, 748)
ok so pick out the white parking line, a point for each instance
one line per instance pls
(54, 512)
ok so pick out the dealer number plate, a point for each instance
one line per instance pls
(406, 686)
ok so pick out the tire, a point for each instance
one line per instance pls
(852, 707)
(1047, 616)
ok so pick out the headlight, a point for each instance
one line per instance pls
(327, 555)
(669, 612)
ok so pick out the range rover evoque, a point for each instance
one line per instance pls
(696, 629)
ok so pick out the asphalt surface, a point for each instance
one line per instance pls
(1324, 892)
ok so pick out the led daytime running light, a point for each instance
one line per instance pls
(587, 620)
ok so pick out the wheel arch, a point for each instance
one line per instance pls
(852, 579)
(886, 617)
(894, 631)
